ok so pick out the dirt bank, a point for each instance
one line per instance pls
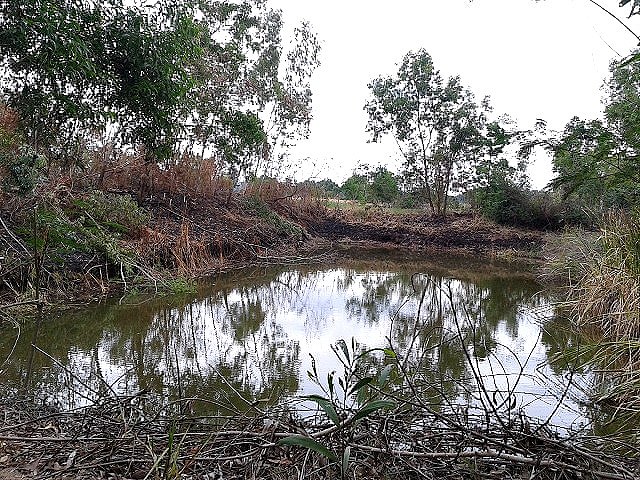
(61, 244)
(458, 233)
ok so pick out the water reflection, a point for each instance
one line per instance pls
(250, 335)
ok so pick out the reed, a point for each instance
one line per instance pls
(606, 293)
(603, 302)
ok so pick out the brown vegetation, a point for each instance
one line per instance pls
(124, 438)
(125, 222)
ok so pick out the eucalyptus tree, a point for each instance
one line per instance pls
(168, 76)
(256, 99)
(436, 124)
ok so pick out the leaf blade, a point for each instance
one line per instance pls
(309, 443)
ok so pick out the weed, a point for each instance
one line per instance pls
(181, 286)
(347, 400)
(603, 300)
(283, 226)
(118, 213)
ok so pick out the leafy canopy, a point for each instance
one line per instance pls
(168, 76)
(596, 161)
(441, 131)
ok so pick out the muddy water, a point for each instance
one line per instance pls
(253, 334)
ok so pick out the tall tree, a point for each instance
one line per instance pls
(436, 124)
(598, 161)
(169, 76)
(72, 68)
(255, 83)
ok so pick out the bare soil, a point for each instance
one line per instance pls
(189, 237)
(457, 233)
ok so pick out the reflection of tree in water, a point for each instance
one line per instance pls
(435, 318)
(236, 336)
(174, 351)
(382, 293)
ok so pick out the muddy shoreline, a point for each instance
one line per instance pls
(185, 241)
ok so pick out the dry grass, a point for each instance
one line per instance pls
(602, 275)
(298, 202)
(606, 291)
(191, 255)
(190, 177)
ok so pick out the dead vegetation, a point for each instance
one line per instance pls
(123, 438)
(457, 233)
(125, 223)
(370, 422)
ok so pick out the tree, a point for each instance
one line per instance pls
(356, 187)
(598, 162)
(252, 81)
(384, 186)
(73, 68)
(436, 124)
(169, 76)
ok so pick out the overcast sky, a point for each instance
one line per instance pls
(535, 59)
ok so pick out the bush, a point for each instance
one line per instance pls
(118, 213)
(355, 188)
(384, 186)
(508, 204)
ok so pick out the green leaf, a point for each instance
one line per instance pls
(390, 353)
(330, 384)
(361, 383)
(384, 375)
(326, 405)
(372, 407)
(310, 443)
(629, 60)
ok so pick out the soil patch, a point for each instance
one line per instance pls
(88, 256)
(456, 233)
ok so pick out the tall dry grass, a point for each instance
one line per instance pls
(606, 293)
(295, 201)
(603, 301)
(188, 177)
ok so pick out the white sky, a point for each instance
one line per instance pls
(535, 59)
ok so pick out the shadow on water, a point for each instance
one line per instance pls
(248, 336)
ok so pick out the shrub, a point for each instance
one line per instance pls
(603, 299)
(119, 213)
(508, 204)
(355, 188)
(384, 186)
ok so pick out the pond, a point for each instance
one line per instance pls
(253, 335)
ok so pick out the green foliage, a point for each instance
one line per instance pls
(252, 69)
(73, 67)
(25, 169)
(509, 204)
(283, 226)
(379, 186)
(90, 226)
(437, 124)
(118, 213)
(348, 399)
(80, 73)
(311, 444)
(180, 286)
(596, 161)
(327, 187)
(384, 186)
(355, 187)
